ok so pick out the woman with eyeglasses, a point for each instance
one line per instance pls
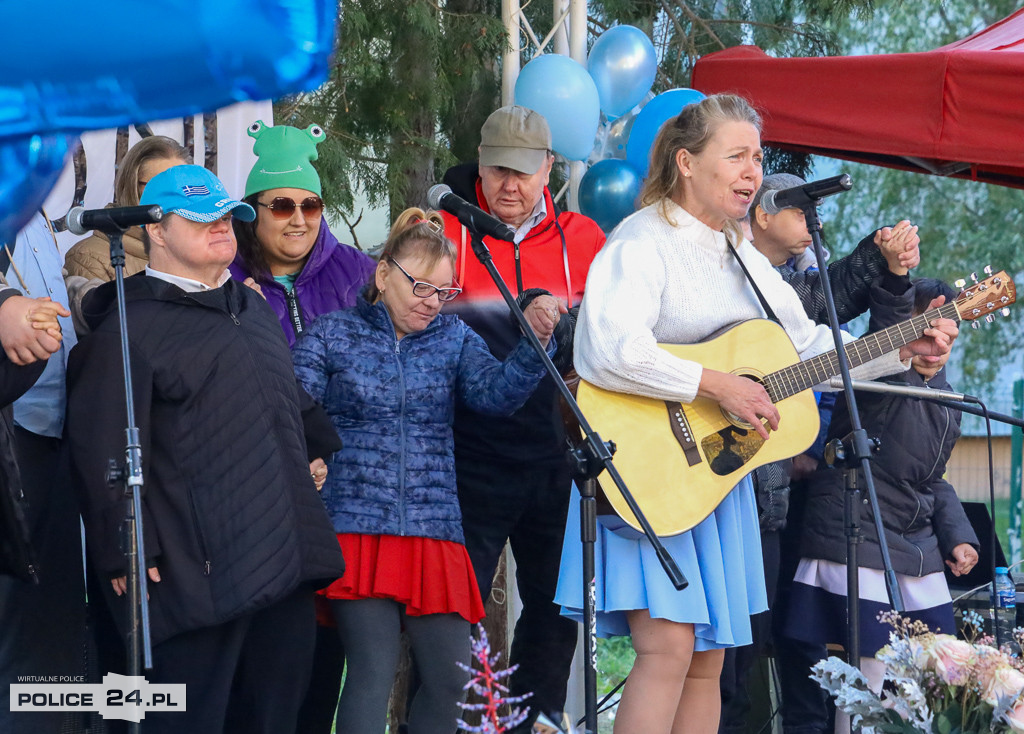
(288, 252)
(389, 372)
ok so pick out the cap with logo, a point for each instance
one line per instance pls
(774, 182)
(194, 193)
(515, 137)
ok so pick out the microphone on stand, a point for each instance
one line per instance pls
(799, 197)
(440, 196)
(907, 391)
(116, 219)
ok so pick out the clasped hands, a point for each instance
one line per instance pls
(543, 315)
(29, 329)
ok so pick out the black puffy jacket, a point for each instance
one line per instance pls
(232, 518)
(921, 514)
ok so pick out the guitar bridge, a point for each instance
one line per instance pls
(681, 430)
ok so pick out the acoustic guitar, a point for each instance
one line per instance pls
(681, 460)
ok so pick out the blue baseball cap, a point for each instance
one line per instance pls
(194, 193)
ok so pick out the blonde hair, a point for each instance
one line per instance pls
(419, 230)
(152, 148)
(691, 130)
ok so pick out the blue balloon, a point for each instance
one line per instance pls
(652, 116)
(31, 165)
(623, 64)
(160, 60)
(608, 192)
(562, 91)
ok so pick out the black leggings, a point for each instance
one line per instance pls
(371, 630)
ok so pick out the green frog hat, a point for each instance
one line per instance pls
(285, 156)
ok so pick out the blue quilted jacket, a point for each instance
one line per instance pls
(392, 402)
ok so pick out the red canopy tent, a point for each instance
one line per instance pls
(955, 111)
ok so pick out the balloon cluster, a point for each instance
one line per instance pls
(604, 113)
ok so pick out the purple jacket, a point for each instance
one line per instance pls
(332, 278)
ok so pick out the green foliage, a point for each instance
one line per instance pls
(615, 658)
(406, 77)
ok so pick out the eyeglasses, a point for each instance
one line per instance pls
(422, 289)
(282, 207)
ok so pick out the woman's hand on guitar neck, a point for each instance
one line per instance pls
(938, 338)
(741, 396)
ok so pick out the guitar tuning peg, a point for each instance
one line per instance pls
(974, 324)
(990, 318)
(1004, 311)
(974, 277)
(987, 270)
(960, 283)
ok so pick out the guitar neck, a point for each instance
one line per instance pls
(816, 370)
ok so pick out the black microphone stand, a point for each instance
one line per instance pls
(860, 448)
(592, 457)
(130, 474)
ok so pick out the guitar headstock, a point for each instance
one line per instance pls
(985, 297)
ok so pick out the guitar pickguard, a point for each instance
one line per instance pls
(729, 449)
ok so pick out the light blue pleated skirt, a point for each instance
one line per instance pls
(721, 558)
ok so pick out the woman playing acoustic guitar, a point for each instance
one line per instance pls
(667, 275)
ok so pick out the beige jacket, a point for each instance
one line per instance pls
(90, 258)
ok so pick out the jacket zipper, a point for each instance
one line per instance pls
(401, 438)
(199, 533)
(938, 455)
(519, 269)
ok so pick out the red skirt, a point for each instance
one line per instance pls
(428, 576)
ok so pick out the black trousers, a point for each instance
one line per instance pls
(42, 627)
(806, 708)
(526, 506)
(245, 676)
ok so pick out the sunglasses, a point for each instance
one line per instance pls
(282, 207)
(423, 289)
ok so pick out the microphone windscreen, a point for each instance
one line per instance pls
(767, 203)
(74, 221)
(436, 193)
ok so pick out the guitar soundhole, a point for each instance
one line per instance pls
(735, 419)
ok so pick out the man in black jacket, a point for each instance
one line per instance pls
(235, 534)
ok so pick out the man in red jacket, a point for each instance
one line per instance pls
(512, 473)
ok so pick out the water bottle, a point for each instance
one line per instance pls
(1005, 607)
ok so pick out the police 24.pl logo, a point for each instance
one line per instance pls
(117, 697)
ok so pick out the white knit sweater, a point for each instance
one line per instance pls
(653, 282)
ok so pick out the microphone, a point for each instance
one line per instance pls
(440, 196)
(115, 219)
(907, 391)
(800, 197)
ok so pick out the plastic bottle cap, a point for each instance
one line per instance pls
(1001, 569)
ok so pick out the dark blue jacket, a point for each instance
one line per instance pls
(392, 402)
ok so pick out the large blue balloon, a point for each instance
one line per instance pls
(561, 89)
(623, 65)
(652, 116)
(608, 192)
(30, 166)
(64, 70)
